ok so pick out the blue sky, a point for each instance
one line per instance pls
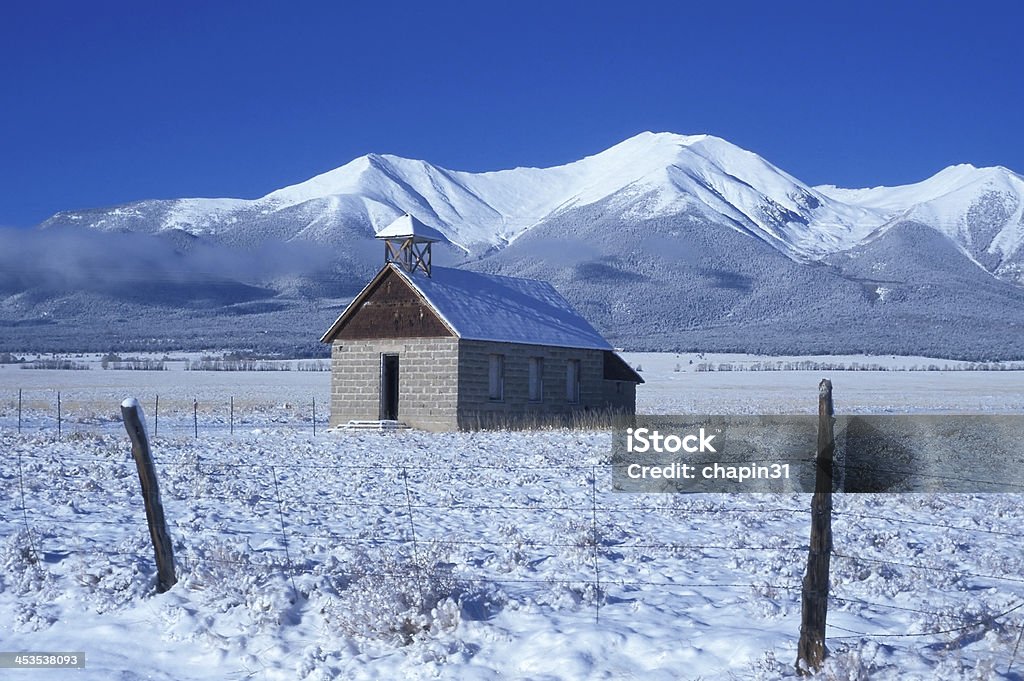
(106, 102)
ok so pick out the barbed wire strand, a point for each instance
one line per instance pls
(284, 533)
(1016, 645)
(955, 630)
(29, 534)
(917, 566)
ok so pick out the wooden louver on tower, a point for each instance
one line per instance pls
(407, 243)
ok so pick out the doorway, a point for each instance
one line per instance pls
(389, 387)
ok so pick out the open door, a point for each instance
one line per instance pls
(389, 387)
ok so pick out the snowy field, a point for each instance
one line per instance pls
(896, 390)
(478, 555)
(674, 384)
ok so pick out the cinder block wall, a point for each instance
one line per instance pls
(475, 404)
(444, 383)
(427, 381)
(621, 396)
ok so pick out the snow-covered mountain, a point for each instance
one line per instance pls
(480, 211)
(980, 209)
(657, 215)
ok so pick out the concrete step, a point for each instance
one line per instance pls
(374, 425)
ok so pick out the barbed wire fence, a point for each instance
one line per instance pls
(415, 503)
(284, 519)
(275, 514)
(63, 412)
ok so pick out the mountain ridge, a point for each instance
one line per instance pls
(483, 211)
(713, 231)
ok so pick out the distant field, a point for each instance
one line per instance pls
(673, 385)
(896, 390)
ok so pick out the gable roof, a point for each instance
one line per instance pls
(488, 307)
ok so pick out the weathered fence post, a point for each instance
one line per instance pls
(195, 417)
(135, 424)
(231, 418)
(811, 650)
(156, 416)
(19, 410)
(58, 415)
(314, 417)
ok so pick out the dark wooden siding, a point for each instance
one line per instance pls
(392, 309)
(616, 369)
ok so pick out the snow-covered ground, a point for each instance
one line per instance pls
(675, 386)
(477, 555)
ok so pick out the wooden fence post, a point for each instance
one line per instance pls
(58, 415)
(156, 417)
(134, 423)
(19, 410)
(314, 417)
(195, 416)
(231, 418)
(811, 650)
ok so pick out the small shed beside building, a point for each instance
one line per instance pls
(450, 349)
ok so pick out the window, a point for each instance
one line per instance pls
(536, 379)
(572, 381)
(496, 373)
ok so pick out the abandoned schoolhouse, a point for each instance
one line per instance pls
(450, 349)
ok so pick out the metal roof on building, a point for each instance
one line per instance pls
(488, 307)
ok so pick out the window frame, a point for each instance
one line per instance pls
(535, 379)
(496, 377)
(573, 381)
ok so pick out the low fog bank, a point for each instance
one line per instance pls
(67, 259)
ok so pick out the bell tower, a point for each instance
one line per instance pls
(407, 243)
